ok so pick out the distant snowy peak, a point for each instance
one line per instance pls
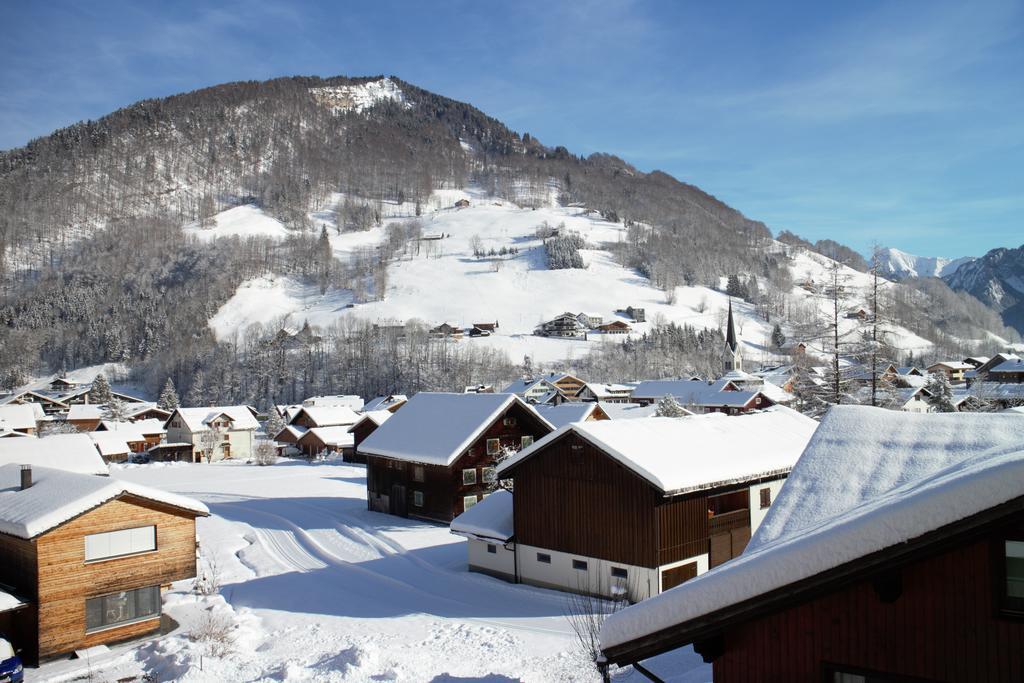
(359, 97)
(899, 265)
(997, 279)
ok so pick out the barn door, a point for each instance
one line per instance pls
(721, 549)
(399, 504)
(670, 578)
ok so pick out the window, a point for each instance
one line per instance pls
(493, 446)
(417, 473)
(120, 543)
(757, 401)
(509, 422)
(227, 437)
(619, 573)
(417, 498)
(1013, 586)
(492, 549)
(469, 476)
(766, 498)
(122, 608)
(489, 474)
(468, 502)
(543, 558)
(579, 564)
(525, 441)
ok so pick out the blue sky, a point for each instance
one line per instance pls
(901, 122)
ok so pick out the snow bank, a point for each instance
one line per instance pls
(240, 221)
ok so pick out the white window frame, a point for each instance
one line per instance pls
(469, 476)
(489, 474)
(111, 545)
(493, 446)
(525, 441)
(468, 502)
(417, 498)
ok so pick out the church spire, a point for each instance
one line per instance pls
(732, 359)
(730, 335)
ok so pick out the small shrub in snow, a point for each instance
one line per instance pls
(669, 407)
(265, 453)
(216, 632)
(207, 581)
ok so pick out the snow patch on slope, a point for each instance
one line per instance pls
(359, 97)
(240, 221)
(900, 265)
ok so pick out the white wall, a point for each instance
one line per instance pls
(501, 562)
(757, 515)
(597, 578)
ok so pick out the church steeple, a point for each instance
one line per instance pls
(732, 360)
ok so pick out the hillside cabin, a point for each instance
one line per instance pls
(216, 433)
(633, 507)
(436, 457)
(615, 327)
(907, 567)
(976, 361)
(565, 326)
(367, 424)
(88, 557)
(20, 417)
(445, 330)
(953, 370)
(461, 204)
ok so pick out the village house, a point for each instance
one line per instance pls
(140, 435)
(953, 370)
(49, 403)
(326, 440)
(565, 325)
(976, 361)
(637, 315)
(615, 327)
(216, 433)
(86, 417)
(87, 557)
(446, 330)
(390, 403)
(490, 328)
(565, 413)
(436, 457)
(112, 446)
(335, 416)
(1010, 371)
(367, 424)
(634, 507)
(721, 396)
(907, 567)
(606, 393)
(590, 320)
(20, 417)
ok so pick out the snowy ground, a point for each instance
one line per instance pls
(444, 282)
(315, 587)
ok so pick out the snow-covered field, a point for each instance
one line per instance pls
(444, 282)
(316, 588)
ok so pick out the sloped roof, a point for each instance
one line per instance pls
(134, 431)
(629, 411)
(435, 428)
(382, 402)
(110, 443)
(57, 496)
(695, 392)
(869, 479)
(18, 416)
(679, 455)
(72, 452)
(490, 519)
(87, 411)
(1011, 365)
(377, 417)
(329, 416)
(337, 435)
(196, 419)
(342, 400)
(566, 412)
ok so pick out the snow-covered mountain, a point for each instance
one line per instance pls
(997, 279)
(899, 265)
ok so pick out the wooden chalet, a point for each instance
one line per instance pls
(1010, 371)
(20, 417)
(487, 327)
(326, 440)
(606, 393)
(446, 330)
(87, 557)
(909, 567)
(366, 425)
(310, 417)
(953, 370)
(49, 403)
(289, 436)
(566, 325)
(615, 327)
(436, 457)
(638, 506)
(216, 432)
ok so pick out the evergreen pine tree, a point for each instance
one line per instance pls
(325, 257)
(169, 396)
(941, 398)
(669, 407)
(196, 395)
(778, 338)
(274, 424)
(116, 410)
(100, 390)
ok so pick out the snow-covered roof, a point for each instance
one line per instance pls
(695, 392)
(521, 386)
(110, 443)
(680, 455)
(347, 401)
(134, 431)
(566, 412)
(869, 479)
(57, 496)
(337, 435)
(18, 416)
(382, 402)
(600, 390)
(7, 432)
(628, 411)
(377, 417)
(952, 364)
(436, 428)
(490, 519)
(196, 419)
(329, 416)
(87, 411)
(72, 452)
(1012, 365)
(295, 431)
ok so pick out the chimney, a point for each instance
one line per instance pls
(26, 477)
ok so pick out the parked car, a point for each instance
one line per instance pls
(11, 669)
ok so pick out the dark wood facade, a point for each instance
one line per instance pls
(572, 497)
(360, 431)
(52, 573)
(936, 618)
(437, 492)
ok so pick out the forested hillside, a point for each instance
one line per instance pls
(94, 265)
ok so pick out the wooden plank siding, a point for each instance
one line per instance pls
(442, 486)
(943, 626)
(66, 580)
(362, 430)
